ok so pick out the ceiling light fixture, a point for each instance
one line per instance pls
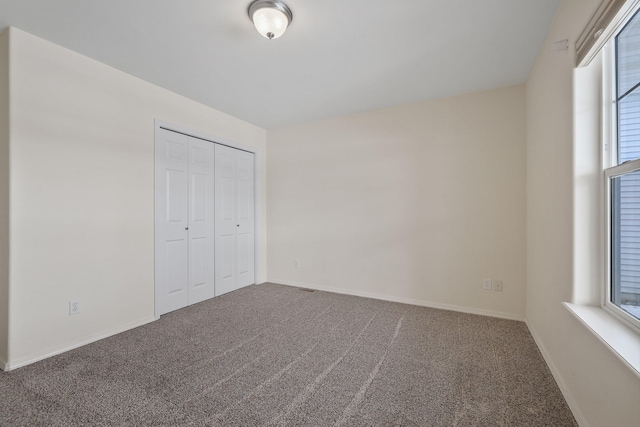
(271, 17)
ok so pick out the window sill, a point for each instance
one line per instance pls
(624, 342)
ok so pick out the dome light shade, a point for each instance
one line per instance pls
(270, 17)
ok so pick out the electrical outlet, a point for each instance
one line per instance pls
(497, 285)
(296, 263)
(74, 307)
(486, 284)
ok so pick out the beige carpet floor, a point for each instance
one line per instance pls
(276, 355)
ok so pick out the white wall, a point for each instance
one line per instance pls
(417, 203)
(82, 141)
(560, 256)
(4, 196)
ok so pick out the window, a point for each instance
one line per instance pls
(622, 174)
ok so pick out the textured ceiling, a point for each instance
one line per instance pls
(338, 57)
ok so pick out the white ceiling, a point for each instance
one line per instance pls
(338, 56)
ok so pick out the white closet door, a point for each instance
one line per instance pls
(226, 278)
(204, 210)
(234, 219)
(171, 246)
(244, 219)
(201, 220)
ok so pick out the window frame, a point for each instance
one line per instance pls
(611, 169)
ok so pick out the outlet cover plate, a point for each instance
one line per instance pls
(74, 307)
(486, 284)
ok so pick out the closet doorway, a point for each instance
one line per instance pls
(204, 219)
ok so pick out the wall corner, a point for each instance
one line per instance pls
(4, 197)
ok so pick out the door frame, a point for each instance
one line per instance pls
(161, 124)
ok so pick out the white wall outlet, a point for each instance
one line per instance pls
(486, 284)
(497, 285)
(296, 263)
(74, 307)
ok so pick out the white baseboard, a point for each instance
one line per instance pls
(577, 413)
(411, 301)
(88, 340)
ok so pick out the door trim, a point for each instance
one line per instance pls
(161, 124)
